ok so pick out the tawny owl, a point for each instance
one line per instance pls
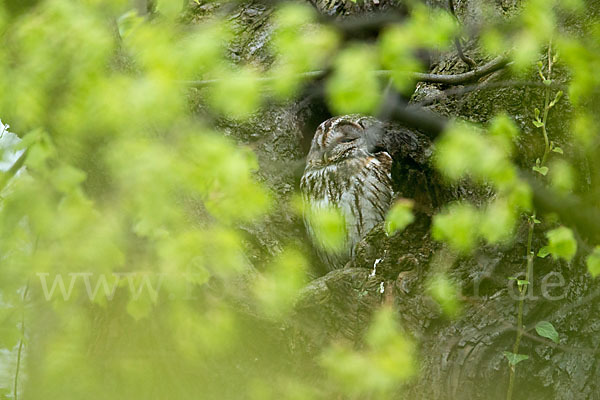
(346, 169)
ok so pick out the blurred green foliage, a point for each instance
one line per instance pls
(387, 360)
(130, 206)
(561, 243)
(301, 44)
(446, 293)
(399, 216)
(329, 228)
(593, 262)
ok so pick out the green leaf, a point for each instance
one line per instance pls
(537, 113)
(169, 8)
(522, 282)
(278, 287)
(562, 175)
(514, 359)
(464, 150)
(139, 308)
(67, 178)
(399, 216)
(497, 221)
(557, 150)
(561, 243)
(538, 123)
(353, 86)
(446, 293)
(457, 226)
(557, 97)
(504, 131)
(543, 252)
(128, 22)
(546, 329)
(540, 170)
(593, 262)
(237, 93)
(328, 228)
(547, 82)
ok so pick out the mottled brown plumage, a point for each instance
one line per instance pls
(347, 169)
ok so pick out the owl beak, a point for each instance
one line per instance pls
(317, 159)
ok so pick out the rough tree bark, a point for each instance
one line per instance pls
(460, 358)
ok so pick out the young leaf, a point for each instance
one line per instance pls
(593, 262)
(457, 226)
(514, 359)
(127, 22)
(543, 252)
(328, 228)
(540, 170)
(446, 293)
(538, 123)
(557, 150)
(399, 216)
(557, 97)
(561, 243)
(546, 329)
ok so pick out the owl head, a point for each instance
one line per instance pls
(342, 138)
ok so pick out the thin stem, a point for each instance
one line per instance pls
(546, 142)
(529, 271)
(466, 59)
(547, 107)
(522, 290)
(21, 345)
(12, 171)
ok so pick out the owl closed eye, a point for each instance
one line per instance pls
(346, 170)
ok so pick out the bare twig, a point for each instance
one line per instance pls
(396, 109)
(12, 171)
(466, 59)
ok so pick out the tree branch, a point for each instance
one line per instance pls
(456, 79)
(570, 208)
(21, 344)
(485, 86)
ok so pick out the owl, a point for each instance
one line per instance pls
(347, 170)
